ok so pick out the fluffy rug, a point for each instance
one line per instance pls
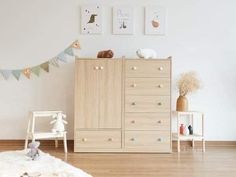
(17, 164)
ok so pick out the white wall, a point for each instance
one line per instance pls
(201, 36)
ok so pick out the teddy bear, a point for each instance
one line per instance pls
(34, 151)
(105, 54)
(146, 53)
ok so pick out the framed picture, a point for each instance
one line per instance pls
(91, 19)
(123, 22)
(155, 20)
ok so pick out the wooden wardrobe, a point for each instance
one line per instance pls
(122, 105)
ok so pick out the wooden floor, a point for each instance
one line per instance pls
(215, 162)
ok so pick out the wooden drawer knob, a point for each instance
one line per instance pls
(134, 68)
(159, 121)
(110, 139)
(101, 67)
(133, 121)
(159, 104)
(133, 85)
(160, 86)
(84, 139)
(159, 139)
(132, 139)
(96, 68)
(133, 103)
(160, 68)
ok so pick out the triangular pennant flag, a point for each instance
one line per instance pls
(36, 70)
(6, 74)
(27, 72)
(76, 45)
(16, 74)
(69, 51)
(45, 66)
(54, 62)
(62, 57)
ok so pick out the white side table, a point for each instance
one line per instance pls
(194, 137)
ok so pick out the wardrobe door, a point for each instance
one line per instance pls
(110, 90)
(86, 94)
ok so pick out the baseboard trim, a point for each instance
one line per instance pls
(51, 143)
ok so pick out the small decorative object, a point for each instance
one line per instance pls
(181, 129)
(105, 54)
(146, 53)
(91, 19)
(34, 151)
(187, 83)
(190, 128)
(58, 123)
(186, 132)
(155, 20)
(123, 20)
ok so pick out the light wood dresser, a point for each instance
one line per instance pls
(122, 105)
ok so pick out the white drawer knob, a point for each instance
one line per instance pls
(133, 103)
(132, 139)
(160, 68)
(159, 121)
(159, 139)
(133, 121)
(96, 67)
(101, 67)
(134, 68)
(133, 85)
(159, 104)
(84, 139)
(160, 86)
(110, 139)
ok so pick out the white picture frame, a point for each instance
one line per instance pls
(123, 20)
(91, 19)
(155, 20)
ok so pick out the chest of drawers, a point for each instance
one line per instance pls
(123, 105)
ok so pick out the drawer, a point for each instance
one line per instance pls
(98, 139)
(147, 68)
(147, 121)
(159, 140)
(147, 86)
(147, 104)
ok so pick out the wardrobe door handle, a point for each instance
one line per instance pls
(133, 85)
(134, 68)
(133, 121)
(101, 67)
(159, 139)
(132, 139)
(96, 68)
(133, 104)
(159, 121)
(110, 139)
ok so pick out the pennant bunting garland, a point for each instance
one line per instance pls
(6, 74)
(16, 74)
(62, 57)
(27, 72)
(36, 70)
(54, 62)
(45, 66)
(69, 51)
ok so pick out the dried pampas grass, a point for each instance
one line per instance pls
(188, 83)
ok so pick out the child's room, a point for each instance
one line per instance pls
(108, 88)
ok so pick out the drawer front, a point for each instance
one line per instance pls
(147, 121)
(98, 139)
(159, 140)
(147, 104)
(147, 86)
(147, 68)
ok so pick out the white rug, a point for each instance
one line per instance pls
(15, 164)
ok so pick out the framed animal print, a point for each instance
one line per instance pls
(123, 22)
(155, 20)
(91, 19)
